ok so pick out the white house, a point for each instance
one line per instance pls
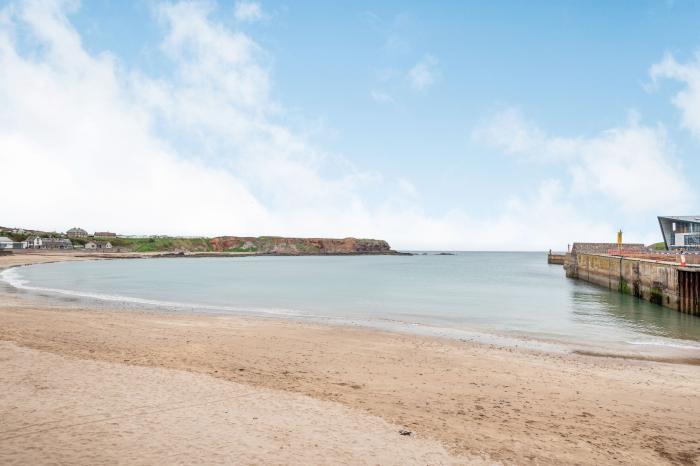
(7, 243)
(34, 242)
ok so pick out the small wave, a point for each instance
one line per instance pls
(15, 279)
(663, 343)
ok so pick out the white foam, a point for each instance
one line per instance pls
(13, 278)
(664, 343)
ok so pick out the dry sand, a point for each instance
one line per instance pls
(70, 411)
(321, 394)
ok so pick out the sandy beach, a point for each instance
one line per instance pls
(83, 385)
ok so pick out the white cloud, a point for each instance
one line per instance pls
(510, 132)
(222, 101)
(518, 225)
(248, 11)
(407, 188)
(198, 154)
(688, 99)
(381, 97)
(88, 141)
(80, 147)
(396, 31)
(632, 165)
(424, 73)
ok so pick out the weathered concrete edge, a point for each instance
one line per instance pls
(652, 280)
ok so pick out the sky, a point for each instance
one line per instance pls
(432, 125)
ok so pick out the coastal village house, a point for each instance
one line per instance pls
(77, 233)
(56, 243)
(681, 232)
(7, 243)
(104, 234)
(36, 242)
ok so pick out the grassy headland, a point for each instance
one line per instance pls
(227, 244)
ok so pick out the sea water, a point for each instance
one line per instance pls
(512, 296)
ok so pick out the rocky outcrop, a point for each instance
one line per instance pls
(299, 246)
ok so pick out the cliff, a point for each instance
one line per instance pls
(239, 244)
(299, 246)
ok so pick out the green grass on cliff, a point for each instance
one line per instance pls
(162, 244)
(261, 244)
(147, 244)
(658, 246)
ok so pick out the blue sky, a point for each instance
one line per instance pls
(467, 125)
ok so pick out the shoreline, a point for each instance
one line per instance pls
(677, 352)
(509, 405)
(189, 254)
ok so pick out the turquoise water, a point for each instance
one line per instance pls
(513, 294)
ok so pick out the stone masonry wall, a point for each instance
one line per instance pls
(653, 281)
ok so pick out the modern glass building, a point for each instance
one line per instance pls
(681, 232)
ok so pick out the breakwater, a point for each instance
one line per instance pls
(556, 258)
(665, 283)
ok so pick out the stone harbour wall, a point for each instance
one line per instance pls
(663, 283)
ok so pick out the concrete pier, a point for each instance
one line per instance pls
(556, 258)
(665, 283)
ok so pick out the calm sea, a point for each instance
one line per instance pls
(511, 297)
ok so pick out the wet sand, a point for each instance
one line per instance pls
(463, 401)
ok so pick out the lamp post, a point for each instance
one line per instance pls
(619, 241)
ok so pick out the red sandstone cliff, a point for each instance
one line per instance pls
(279, 245)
